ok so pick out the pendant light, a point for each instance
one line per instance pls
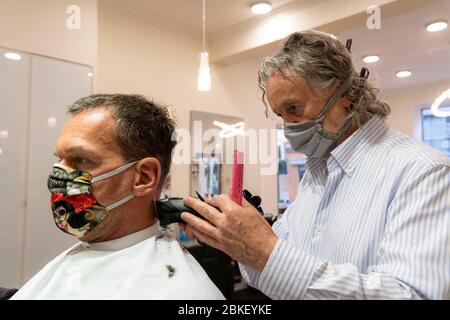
(204, 72)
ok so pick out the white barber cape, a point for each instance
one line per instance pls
(142, 265)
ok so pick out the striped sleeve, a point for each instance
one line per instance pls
(250, 275)
(413, 261)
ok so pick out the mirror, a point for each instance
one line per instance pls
(213, 139)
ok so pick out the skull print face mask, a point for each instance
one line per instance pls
(75, 209)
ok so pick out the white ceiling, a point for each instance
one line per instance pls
(220, 14)
(403, 43)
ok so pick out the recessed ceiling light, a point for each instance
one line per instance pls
(404, 74)
(90, 74)
(371, 59)
(4, 134)
(261, 7)
(12, 56)
(437, 26)
(1, 151)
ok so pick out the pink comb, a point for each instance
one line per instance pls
(237, 177)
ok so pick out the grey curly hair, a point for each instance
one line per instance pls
(321, 60)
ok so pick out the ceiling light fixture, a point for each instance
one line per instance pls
(404, 74)
(204, 72)
(437, 26)
(371, 59)
(230, 130)
(90, 74)
(13, 56)
(261, 7)
(436, 104)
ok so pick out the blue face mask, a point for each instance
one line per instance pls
(309, 138)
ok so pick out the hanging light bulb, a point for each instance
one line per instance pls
(204, 72)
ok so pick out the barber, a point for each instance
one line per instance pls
(372, 216)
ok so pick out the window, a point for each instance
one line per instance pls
(291, 167)
(436, 130)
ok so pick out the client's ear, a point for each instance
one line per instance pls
(147, 177)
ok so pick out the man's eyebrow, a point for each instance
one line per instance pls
(82, 150)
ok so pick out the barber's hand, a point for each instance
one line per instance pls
(239, 231)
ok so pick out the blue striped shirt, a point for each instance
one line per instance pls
(370, 222)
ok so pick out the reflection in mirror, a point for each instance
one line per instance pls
(214, 137)
(291, 168)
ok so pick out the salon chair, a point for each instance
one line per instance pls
(6, 294)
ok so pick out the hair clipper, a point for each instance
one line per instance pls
(169, 210)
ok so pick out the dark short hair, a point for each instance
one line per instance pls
(144, 128)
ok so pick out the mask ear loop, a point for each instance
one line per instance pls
(113, 172)
(339, 93)
(120, 202)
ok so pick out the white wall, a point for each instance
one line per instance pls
(14, 101)
(32, 90)
(134, 57)
(406, 103)
(40, 27)
(54, 85)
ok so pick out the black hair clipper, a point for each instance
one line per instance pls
(169, 210)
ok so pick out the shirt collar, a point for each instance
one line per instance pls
(313, 163)
(126, 241)
(348, 154)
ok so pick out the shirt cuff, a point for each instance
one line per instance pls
(250, 275)
(287, 273)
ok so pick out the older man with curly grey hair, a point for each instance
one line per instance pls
(372, 215)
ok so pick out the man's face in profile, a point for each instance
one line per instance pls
(294, 101)
(88, 143)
